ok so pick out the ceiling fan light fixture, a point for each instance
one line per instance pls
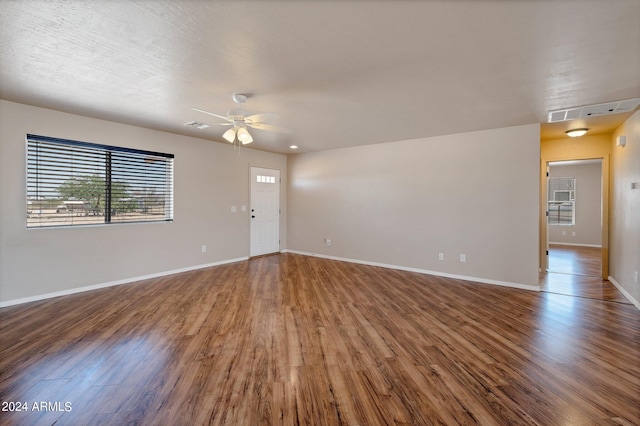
(575, 133)
(230, 135)
(240, 119)
(244, 136)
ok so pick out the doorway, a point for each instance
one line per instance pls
(574, 220)
(265, 211)
(575, 232)
(548, 157)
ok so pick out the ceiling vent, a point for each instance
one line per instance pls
(196, 124)
(597, 110)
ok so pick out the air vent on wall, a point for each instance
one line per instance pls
(597, 110)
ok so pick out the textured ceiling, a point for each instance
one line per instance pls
(336, 73)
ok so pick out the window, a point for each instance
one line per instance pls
(72, 183)
(265, 179)
(562, 200)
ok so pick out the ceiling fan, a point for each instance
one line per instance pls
(240, 119)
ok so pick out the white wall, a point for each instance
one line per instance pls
(624, 248)
(402, 203)
(209, 178)
(588, 206)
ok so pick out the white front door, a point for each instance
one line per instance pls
(265, 211)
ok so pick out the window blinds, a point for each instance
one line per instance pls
(73, 183)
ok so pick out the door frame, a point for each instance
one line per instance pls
(544, 235)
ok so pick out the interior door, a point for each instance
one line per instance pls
(265, 211)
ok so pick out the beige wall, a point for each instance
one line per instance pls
(209, 177)
(625, 209)
(588, 205)
(402, 203)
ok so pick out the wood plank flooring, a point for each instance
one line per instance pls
(575, 271)
(296, 340)
(575, 260)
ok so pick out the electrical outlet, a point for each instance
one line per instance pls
(327, 241)
(463, 258)
(440, 256)
(204, 248)
(573, 234)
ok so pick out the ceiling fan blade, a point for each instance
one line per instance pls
(259, 118)
(210, 113)
(269, 127)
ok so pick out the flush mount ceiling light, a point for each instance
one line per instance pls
(574, 133)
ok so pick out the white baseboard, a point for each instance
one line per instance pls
(421, 271)
(576, 245)
(624, 292)
(113, 283)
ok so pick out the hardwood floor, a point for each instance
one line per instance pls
(575, 260)
(575, 271)
(296, 340)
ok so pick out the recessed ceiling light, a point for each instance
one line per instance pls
(294, 147)
(574, 133)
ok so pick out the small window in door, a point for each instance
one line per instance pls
(265, 179)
